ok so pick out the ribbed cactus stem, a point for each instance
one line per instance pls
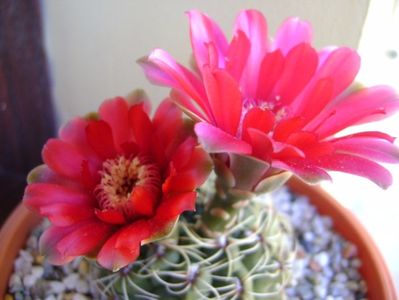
(222, 209)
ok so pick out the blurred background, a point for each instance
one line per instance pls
(62, 58)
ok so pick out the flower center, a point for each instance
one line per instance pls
(128, 185)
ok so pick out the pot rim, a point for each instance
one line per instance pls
(380, 287)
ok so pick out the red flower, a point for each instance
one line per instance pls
(114, 182)
(278, 101)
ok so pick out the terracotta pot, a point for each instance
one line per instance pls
(374, 270)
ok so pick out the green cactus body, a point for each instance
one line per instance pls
(247, 255)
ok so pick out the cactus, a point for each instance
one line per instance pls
(247, 258)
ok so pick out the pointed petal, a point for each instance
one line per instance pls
(66, 214)
(307, 171)
(254, 25)
(292, 33)
(366, 105)
(143, 201)
(100, 138)
(48, 242)
(123, 247)
(85, 238)
(215, 140)
(286, 127)
(115, 113)
(341, 66)
(314, 101)
(41, 194)
(372, 148)
(257, 118)
(262, 146)
(270, 71)
(171, 207)
(110, 216)
(358, 166)
(223, 92)
(204, 31)
(160, 68)
(237, 55)
(74, 132)
(299, 67)
(63, 158)
(141, 127)
(188, 106)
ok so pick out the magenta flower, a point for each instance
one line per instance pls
(115, 181)
(280, 101)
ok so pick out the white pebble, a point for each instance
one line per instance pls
(56, 287)
(71, 280)
(37, 271)
(29, 280)
(82, 286)
(78, 297)
(322, 258)
(15, 280)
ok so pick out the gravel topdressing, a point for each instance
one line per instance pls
(326, 266)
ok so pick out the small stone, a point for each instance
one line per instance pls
(37, 271)
(82, 287)
(341, 277)
(70, 281)
(322, 259)
(15, 281)
(79, 297)
(56, 287)
(356, 263)
(314, 266)
(352, 285)
(320, 291)
(349, 251)
(29, 280)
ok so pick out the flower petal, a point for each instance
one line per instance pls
(161, 68)
(372, 148)
(74, 132)
(254, 25)
(215, 140)
(100, 138)
(358, 166)
(292, 33)
(220, 86)
(115, 113)
(341, 66)
(237, 55)
(48, 241)
(85, 238)
(270, 71)
(299, 67)
(257, 118)
(141, 127)
(171, 207)
(40, 194)
(307, 171)
(363, 106)
(204, 31)
(123, 247)
(66, 214)
(63, 158)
